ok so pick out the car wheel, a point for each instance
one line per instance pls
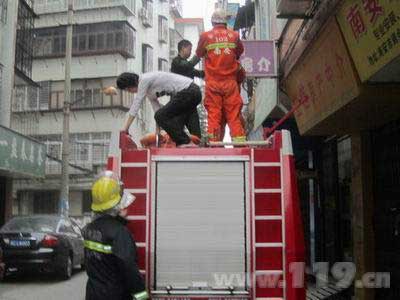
(66, 270)
(2, 271)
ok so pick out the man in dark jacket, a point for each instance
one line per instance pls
(181, 65)
(110, 251)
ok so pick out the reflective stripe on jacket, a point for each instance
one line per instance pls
(221, 48)
(110, 261)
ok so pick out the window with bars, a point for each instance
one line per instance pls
(88, 39)
(32, 98)
(87, 150)
(90, 148)
(147, 13)
(1, 86)
(147, 58)
(101, 146)
(163, 65)
(87, 98)
(53, 151)
(80, 143)
(3, 11)
(163, 29)
(85, 94)
(24, 40)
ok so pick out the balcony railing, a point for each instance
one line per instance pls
(88, 39)
(51, 6)
(45, 98)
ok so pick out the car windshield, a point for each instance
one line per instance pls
(31, 224)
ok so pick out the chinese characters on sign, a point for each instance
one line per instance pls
(21, 155)
(372, 32)
(325, 80)
(258, 58)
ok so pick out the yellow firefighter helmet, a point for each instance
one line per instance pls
(106, 192)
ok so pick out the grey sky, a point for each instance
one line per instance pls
(201, 9)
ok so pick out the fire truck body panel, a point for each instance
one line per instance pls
(216, 223)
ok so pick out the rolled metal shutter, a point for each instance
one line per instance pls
(200, 224)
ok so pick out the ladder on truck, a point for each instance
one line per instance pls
(273, 243)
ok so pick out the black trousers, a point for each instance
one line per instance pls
(179, 112)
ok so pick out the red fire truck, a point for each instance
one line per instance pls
(216, 223)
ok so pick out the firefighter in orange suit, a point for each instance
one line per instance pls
(221, 48)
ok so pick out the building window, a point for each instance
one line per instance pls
(1, 86)
(86, 98)
(80, 147)
(45, 202)
(53, 152)
(32, 98)
(163, 29)
(174, 37)
(3, 11)
(24, 42)
(101, 146)
(146, 13)
(86, 94)
(147, 58)
(163, 65)
(88, 150)
(92, 39)
(54, 149)
(86, 202)
(44, 95)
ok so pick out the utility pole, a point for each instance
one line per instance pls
(64, 194)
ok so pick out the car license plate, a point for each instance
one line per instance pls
(20, 243)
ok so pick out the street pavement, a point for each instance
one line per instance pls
(44, 287)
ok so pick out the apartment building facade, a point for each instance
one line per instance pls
(109, 37)
(20, 156)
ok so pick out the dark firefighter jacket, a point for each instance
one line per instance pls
(110, 260)
(186, 68)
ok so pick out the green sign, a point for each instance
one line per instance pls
(20, 154)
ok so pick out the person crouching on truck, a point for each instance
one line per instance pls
(181, 110)
(222, 48)
(110, 251)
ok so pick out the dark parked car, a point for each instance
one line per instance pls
(45, 243)
(1, 265)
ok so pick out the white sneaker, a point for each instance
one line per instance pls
(189, 145)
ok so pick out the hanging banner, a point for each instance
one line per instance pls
(372, 32)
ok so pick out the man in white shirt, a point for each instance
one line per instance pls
(181, 110)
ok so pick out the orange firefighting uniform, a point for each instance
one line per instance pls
(222, 48)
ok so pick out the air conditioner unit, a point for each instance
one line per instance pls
(145, 17)
(287, 8)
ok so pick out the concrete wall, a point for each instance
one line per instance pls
(81, 67)
(7, 59)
